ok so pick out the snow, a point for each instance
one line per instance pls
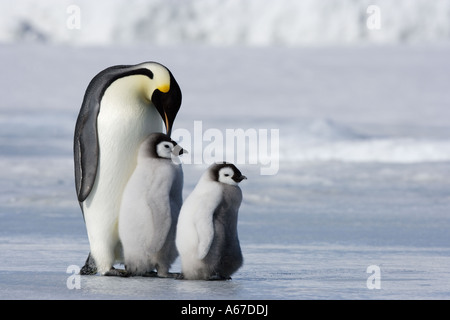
(225, 22)
(362, 178)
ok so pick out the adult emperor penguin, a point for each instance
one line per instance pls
(150, 206)
(121, 107)
(207, 238)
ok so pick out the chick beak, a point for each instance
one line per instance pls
(178, 151)
(239, 179)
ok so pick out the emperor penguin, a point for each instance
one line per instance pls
(207, 238)
(121, 107)
(150, 206)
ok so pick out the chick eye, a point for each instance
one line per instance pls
(226, 175)
(166, 146)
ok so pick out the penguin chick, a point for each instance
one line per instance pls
(207, 238)
(150, 207)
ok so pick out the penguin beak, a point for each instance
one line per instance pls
(239, 179)
(167, 124)
(167, 100)
(178, 151)
(164, 88)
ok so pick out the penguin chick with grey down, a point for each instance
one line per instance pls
(207, 238)
(150, 206)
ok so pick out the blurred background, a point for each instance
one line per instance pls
(226, 22)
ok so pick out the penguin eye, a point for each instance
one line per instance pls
(226, 175)
(166, 146)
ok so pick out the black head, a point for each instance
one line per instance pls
(168, 103)
(160, 145)
(226, 173)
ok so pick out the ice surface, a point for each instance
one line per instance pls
(362, 179)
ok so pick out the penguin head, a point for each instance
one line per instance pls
(226, 173)
(157, 86)
(150, 81)
(160, 145)
(165, 94)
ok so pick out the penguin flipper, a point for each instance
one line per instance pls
(203, 212)
(205, 233)
(86, 152)
(86, 148)
(162, 221)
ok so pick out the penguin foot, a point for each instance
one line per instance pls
(173, 275)
(180, 277)
(113, 272)
(88, 271)
(89, 267)
(150, 274)
(154, 274)
(218, 277)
